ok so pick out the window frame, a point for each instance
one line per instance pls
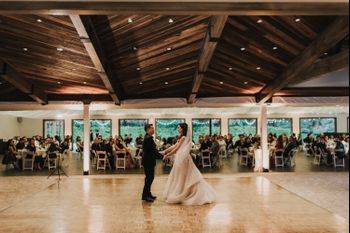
(64, 127)
(240, 118)
(303, 118)
(171, 118)
(279, 118)
(121, 119)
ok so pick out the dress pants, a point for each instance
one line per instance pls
(149, 172)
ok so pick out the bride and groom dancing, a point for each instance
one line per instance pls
(185, 184)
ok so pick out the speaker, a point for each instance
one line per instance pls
(19, 119)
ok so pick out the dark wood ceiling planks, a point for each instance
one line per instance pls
(155, 56)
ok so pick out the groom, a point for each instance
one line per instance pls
(150, 153)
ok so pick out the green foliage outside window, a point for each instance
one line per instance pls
(205, 127)
(135, 127)
(279, 126)
(317, 126)
(244, 126)
(167, 128)
(53, 128)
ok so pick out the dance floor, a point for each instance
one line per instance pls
(111, 203)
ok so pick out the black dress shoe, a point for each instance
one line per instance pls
(148, 199)
(153, 197)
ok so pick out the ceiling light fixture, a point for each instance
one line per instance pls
(275, 48)
(39, 20)
(221, 83)
(134, 48)
(171, 20)
(168, 49)
(258, 68)
(58, 82)
(297, 20)
(167, 68)
(25, 49)
(245, 83)
(130, 20)
(166, 83)
(242, 49)
(230, 68)
(138, 68)
(259, 21)
(84, 83)
(140, 83)
(59, 49)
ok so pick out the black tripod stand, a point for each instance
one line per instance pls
(58, 170)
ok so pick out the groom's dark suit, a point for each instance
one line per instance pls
(149, 155)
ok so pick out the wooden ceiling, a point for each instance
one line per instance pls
(133, 56)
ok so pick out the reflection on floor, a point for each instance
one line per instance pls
(246, 203)
(74, 166)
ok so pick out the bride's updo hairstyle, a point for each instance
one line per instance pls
(184, 128)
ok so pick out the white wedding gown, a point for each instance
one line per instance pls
(186, 184)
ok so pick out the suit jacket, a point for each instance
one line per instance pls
(149, 151)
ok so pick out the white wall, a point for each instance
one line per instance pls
(8, 127)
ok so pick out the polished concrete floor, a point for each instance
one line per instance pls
(111, 203)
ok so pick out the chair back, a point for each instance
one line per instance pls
(52, 155)
(101, 154)
(292, 152)
(139, 154)
(121, 154)
(243, 151)
(29, 154)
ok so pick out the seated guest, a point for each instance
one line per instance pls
(206, 144)
(31, 146)
(79, 144)
(52, 148)
(229, 142)
(345, 141)
(222, 142)
(96, 145)
(57, 140)
(10, 154)
(119, 146)
(21, 144)
(339, 149)
(215, 147)
(127, 139)
(108, 148)
(321, 145)
(240, 142)
(292, 144)
(279, 146)
(138, 141)
(39, 161)
(64, 146)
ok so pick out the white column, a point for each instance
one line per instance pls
(189, 123)
(224, 126)
(263, 134)
(86, 159)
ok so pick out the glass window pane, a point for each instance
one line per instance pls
(316, 126)
(167, 128)
(242, 126)
(135, 127)
(202, 127)
(279, 126)
(53, 128)
(102, 127)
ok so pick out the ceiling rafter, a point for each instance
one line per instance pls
(93, 47)
(334, 33)
(15, 78)
(216, 26)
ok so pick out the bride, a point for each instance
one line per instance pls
(186, 184)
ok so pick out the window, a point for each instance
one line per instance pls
(280, 126)
(167, 128)
(102, 127)
(317, 126)
(205, 127)
(53, 128)
(135, 127)
(244, 126)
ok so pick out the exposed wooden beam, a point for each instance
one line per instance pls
(16, 79)
(216, 26)
(326, 40)
(95, 7)
(92, 44)
(313, 92)
(326, 65)
(80, 97)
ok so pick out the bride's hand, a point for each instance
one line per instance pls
(165, 157)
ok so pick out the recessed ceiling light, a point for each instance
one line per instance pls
(134, 48)
(0, 83)
(242, 49)
(25, 49)
(167, 68)
(39, 20)
(221, 83)
(171, 20)
(245, 83)
(140, 83)
(297, 20)
(258, 68)
(74, 69)
(166, 83)
(59, 49)
(168, 49)
(129, 20)
(325, 53)
(138, 68)
(259, 21)
(58, 82)
(275, 48)
(84, 82)
(230, 68)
